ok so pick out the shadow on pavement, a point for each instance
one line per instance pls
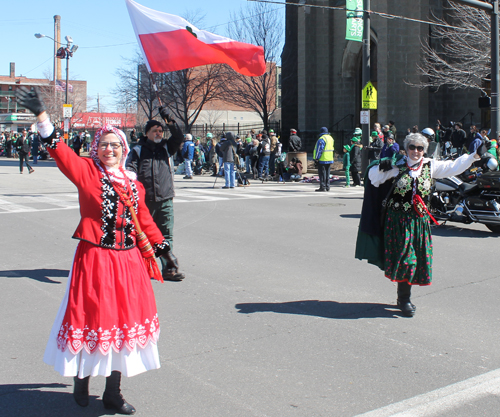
(327, 309)
(6, 162)
(44, 400)
(41, 275)
(449, 230)
(351, 216)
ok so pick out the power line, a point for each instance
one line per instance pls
(381, 14)
(39, 65)
(107, 46)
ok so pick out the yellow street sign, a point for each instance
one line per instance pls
(369, 97)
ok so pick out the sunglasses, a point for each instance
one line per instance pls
(418, 148)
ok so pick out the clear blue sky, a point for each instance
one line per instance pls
(93, 25)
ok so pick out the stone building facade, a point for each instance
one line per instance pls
(321, 71)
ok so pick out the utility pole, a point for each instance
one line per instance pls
(492, 9)
(365, 76)
(98, 106)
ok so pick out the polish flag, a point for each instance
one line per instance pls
(171, 43)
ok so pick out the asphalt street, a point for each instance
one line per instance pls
(275, 317)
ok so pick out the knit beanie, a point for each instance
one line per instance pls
(150, 124)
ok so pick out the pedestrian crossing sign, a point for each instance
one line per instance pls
(369, 97)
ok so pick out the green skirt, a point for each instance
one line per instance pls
(408, 247)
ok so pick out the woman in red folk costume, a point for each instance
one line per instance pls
(107, 323)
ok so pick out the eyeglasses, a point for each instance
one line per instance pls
(114, 145)
(418, 148)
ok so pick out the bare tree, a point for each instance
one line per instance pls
(185, 92)
(212, 117)
(136, 87)
(54, 98)
(256, 24)
(457, 56)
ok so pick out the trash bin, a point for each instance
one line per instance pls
(300, 155)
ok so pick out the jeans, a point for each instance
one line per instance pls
(229, 174)
(248, 164)
(264, 165)
(221, 166)
(272, 167)
(188, 167)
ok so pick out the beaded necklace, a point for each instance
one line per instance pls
(124, 192)
(413, 167)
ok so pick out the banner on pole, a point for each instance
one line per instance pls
(354, 20)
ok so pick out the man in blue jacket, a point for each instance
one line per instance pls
(188, 155)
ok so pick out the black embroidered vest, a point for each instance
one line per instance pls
(401, 197)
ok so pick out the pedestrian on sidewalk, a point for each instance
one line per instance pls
(23, 150)
(107, 323)
(346, 160)
(355, 156)
(188, 155)
(228, 148)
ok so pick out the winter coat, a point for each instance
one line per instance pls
(188, 150)
(151, 162)
(23, 145)
(228, 148)
(355, 155)
(295, 143)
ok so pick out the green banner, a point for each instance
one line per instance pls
(354, 20)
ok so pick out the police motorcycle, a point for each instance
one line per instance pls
(472, 197)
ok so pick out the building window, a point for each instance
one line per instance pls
(10, 88)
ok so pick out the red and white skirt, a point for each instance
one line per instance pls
(107, 320)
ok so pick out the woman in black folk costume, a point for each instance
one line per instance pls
(400, 242)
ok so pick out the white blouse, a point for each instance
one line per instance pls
(439, 169)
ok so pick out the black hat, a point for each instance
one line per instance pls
(150, 124)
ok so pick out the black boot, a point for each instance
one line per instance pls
(404, 303)
(81, 391)
(112, 398)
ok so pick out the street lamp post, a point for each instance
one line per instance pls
(54, 76)
(64, 52)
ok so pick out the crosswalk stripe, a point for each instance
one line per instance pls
(42, 202)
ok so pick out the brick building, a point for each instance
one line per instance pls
(14, 117)
(321, 71)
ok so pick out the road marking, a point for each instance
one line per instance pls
(27, 203)
(13, 208)
(443, 399)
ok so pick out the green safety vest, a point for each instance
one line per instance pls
(327, 154)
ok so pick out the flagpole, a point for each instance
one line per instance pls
(153, 81)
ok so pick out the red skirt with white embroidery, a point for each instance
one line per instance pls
(111, 303)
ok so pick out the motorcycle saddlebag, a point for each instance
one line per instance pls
(489, 181)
